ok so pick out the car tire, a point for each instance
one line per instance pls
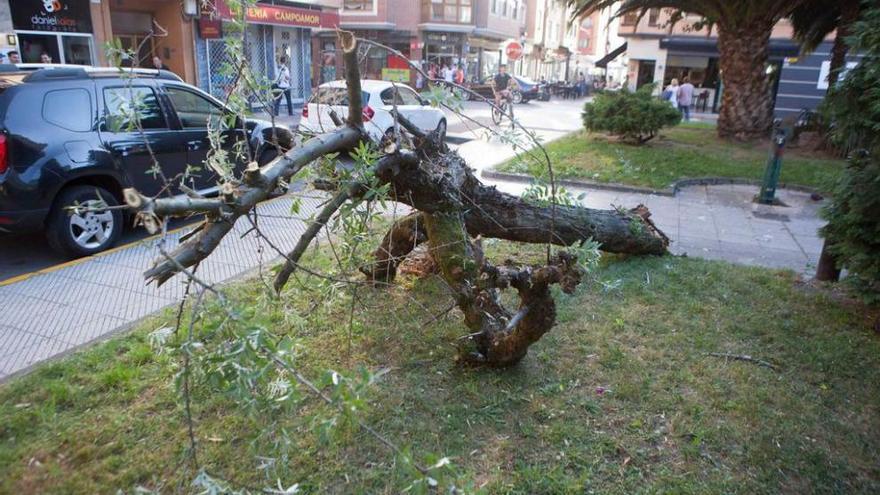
(267, 155)
(465, 95)
(516, 97)
(85, 233)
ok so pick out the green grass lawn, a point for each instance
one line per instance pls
(686, 151)
(670, 418)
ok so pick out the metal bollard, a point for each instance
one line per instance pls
(767, 195)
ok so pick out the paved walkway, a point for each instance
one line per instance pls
(58, 310)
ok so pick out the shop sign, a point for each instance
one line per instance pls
(66, 16)
(210, 28)
(398, 75)
(283, 16)
(514, 50)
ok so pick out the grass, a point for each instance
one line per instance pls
(687, 151)
(621, 397)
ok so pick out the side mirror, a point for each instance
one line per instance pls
(423, 101)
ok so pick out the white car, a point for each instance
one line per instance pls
(378, 98)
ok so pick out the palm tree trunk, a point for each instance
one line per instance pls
(746, 103)
(849, 13)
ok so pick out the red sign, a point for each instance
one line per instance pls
(210, 28)
(284, 16)
(514, 50)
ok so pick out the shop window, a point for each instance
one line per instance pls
(195, 111)
(69, 109)
(356, 6)
(126, 107)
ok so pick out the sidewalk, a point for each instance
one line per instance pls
(71, 305)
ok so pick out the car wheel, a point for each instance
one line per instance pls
(85, 230)
(465, 95)
(267, 155)
(516, 97)
(441, 131)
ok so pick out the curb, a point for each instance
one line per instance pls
(669, 191)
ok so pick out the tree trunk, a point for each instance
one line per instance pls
(849, 13)
(454, 210)
(746, 103)
(827, 270)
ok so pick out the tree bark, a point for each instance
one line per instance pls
(746, 103)
(827, 269)
(849, 13)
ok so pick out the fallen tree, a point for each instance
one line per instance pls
(454, 209)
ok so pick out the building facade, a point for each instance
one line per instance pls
(659, 52)
(469, 33)
(188, 40)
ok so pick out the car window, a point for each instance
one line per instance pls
(194, 110)
(409, 96)
(125, 107)
(389, 99)
(335, 96)
(69, 109)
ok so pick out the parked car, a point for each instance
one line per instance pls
(66, 140)
(531, 90)
(378, 99)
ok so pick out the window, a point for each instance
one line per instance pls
(126, 106)
(335, 96)
(630, 19)
(69, 109)
(405, 96)
(494, 6)
(653, 16)
(453, 11)
(356, 6)
(195, 111)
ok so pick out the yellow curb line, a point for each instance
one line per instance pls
(53, 268)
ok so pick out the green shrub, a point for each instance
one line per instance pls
(853, 108)
(635, 116)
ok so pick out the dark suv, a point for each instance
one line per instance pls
(66, 139)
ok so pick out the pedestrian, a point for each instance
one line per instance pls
(581, 85)
(420, 80)
(459, 75)
(685, 98)
(14, 58)
(448, 74)
(281, 86)
(45, 58)
(671, 93)
(158, 64)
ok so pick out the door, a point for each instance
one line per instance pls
(646, 73)
(137, 133)
(141, 45)
(196, 114)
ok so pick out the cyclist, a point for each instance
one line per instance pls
(502, 83)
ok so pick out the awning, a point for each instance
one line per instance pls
(702, 45)
(603, 62)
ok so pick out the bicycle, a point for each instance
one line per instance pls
(504, 108)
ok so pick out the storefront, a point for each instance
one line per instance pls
(275, 34)
(61, 31)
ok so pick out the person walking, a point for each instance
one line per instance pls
(685, 96)
(281, 87)
(671, 93)
(459, 75)
(448, 74)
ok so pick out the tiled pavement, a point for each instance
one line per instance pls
(54, 312)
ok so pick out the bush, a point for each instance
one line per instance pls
(853, 108)
(635, 116)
